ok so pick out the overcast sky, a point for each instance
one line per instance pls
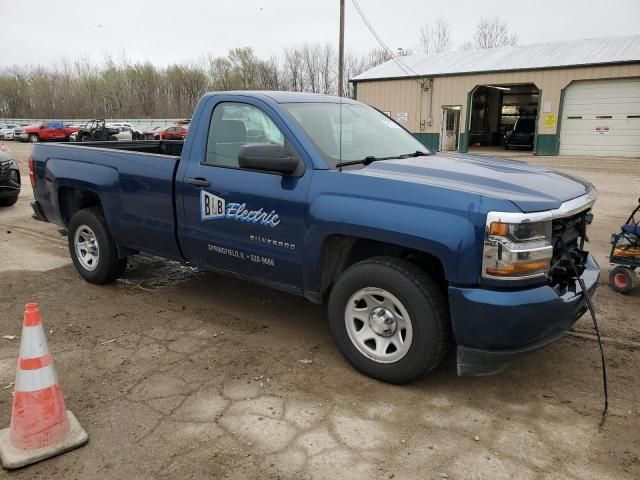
(167, 31)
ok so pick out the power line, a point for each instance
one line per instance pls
(404, 67)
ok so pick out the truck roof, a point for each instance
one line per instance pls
(288, 97)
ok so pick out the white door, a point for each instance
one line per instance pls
(450, 127)
(601, 117)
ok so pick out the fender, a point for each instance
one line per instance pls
(100, 180)
(448, 236)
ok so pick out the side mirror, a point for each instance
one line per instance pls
(267, 157)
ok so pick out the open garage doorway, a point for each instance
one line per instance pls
(503, 117)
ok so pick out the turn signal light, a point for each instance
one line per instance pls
(499, 229)
(524, 268)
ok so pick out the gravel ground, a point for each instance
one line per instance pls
(177, 373)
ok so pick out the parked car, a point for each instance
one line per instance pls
(174, 133)
(7, 131)
(9, 178)
(123, 133)
(521, 135)
(96, 131)
(127, 130)
(404, 248)
(152, 133)
(45, 132)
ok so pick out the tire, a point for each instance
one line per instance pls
(33, 138)
(112, 139)
(89, 224)
(85, 138)
(622, 279)
(8, 201)
(407, 291)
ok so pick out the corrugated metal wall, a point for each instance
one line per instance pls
(405, 95)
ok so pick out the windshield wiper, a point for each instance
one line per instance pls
(370, 159)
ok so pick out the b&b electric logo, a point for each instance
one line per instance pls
(213, 207)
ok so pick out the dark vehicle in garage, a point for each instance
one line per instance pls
(9, 178)
(521, 135)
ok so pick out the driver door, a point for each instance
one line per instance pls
(247, 222)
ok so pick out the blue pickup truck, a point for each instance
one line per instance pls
(331, 199)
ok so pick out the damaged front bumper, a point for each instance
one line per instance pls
(493, 328)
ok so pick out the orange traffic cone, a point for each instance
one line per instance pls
(41, 426)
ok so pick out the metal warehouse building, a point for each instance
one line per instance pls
(584, 96)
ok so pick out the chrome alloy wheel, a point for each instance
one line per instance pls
(378, 325)
(86, 247)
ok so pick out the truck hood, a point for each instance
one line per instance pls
(531, 188)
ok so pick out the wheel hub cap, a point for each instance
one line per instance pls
(383, 321)
(378, 325)
(86, 247)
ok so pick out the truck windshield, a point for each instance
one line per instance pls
(355, 134)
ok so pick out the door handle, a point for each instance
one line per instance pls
(199, 182)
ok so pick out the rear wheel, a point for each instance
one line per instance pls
(389, 319)
(622, 279)
(93, 249)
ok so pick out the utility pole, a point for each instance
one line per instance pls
(341, 52)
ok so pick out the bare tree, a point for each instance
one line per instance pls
(120, 88)
(376, 57)
(294, 69)
(311, 58)
(436, 38)
(327, 69)
(493, 32)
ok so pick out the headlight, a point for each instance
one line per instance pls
(513, 250)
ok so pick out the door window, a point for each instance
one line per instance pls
(233, 125)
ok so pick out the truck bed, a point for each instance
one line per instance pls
(158, 147)
(135, 181)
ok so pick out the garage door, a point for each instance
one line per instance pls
(601, 118)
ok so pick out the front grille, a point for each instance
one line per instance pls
(572, 232)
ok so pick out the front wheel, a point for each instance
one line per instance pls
(33, 138)
(622, 279)
(93, 249)
(389, 319)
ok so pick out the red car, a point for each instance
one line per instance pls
(45, 131)
(174, 133)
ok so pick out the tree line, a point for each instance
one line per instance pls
(124, 89)
(118, 88)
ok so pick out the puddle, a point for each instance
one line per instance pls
(151, 273)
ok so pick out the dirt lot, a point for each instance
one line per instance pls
(177, 373)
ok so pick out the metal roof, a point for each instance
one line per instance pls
(574, 53)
